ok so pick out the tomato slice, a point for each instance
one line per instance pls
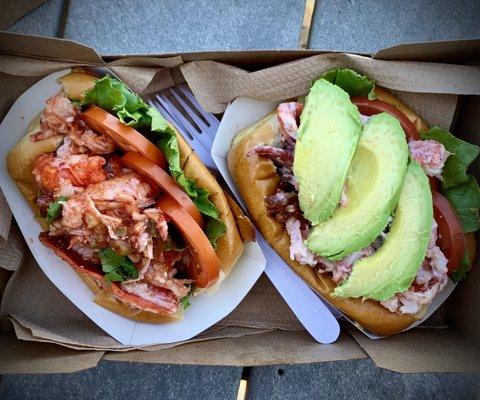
(372, 107)
(206, 269)
(451, 238)
(146, 167)
(434, 183)
(127, 138)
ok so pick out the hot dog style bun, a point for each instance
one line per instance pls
(256, 178)
(20, 162)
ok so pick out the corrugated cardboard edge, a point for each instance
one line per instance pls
(38, 46)
(451, 51)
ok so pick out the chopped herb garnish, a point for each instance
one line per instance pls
(55, 209)
(117, 268)
(185, 301)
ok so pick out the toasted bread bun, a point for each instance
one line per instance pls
(21, 158)
(387, 97)
(256, 178)
(244, 225)
(230, 245)
(20, 164)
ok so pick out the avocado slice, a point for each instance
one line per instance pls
(394, 266)
(374, 181)
(328, 134)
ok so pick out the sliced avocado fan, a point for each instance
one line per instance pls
(373, 186)
(327, 137)
(394, 266)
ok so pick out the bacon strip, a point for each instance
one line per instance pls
(158, 300)
(279, 200)
(60, 245)
(276, 154)
(287, 182)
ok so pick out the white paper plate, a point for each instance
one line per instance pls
(205, 310)
(242, 113)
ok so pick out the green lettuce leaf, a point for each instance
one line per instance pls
(461, 272)
(113, 96)
(55, 209)
(185, 301)
(105, 94)
(350, 81)
(214, 230)
(460, 188)
(463, 154)
(465, 198)
(117, 268)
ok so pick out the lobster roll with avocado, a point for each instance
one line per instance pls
(361, 199)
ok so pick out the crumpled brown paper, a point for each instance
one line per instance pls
(11, 242)
(215, 84)
(12, 250)
(137, 73)
(5, 219)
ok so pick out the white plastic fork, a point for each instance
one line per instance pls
(313, 314)
(199, 132)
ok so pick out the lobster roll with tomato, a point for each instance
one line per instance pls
(363, 200)
(124, 200)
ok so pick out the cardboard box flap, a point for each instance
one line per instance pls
(18, 357)
(422, 350)
(251, 59)
(47, 48)
(450, 51)
(215, 332)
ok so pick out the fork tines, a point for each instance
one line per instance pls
(198, 127)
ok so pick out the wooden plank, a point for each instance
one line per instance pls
(307, 21)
